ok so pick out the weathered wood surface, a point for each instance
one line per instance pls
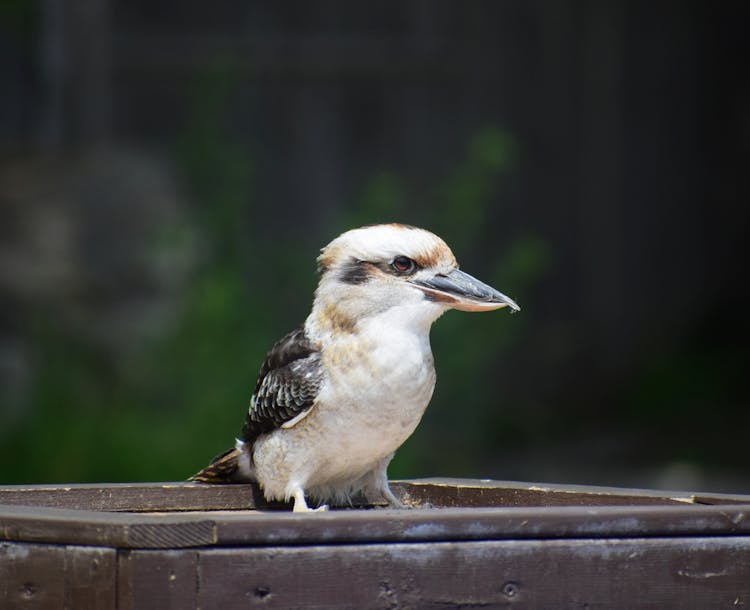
(133, 497)
(638, 573)
(254, 528)
(182, 496)
(467, 544)
(163, 580)
(118, 530)
(44, 576)
(579, 573)
(473, 492)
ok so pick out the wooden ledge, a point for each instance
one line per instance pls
(435, 493)
(488, 544)
(180, 515)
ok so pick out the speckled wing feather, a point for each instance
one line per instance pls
(288, 383)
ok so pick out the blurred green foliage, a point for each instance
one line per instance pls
(161, 407)
(569, 389)
(161, 411)
(463, 419)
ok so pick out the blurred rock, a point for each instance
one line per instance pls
(100, 244)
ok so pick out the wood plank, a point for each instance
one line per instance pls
(120, 530)
(422, 525)
(162, 580)
(443, 492)
(643, 573)
(180, 496)
(31, 576)
(132, 497)
(90, 578)
(48, 576)
(181, 530)
(651, 573)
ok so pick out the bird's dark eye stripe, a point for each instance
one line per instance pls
(403, 265)
(354, 272)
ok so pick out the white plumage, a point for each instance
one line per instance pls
(336, 399)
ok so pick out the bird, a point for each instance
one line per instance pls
(336, 397)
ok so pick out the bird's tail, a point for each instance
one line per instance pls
(224, 468)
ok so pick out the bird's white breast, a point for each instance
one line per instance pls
(377, 384)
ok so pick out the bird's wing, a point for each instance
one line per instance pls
(288, 383)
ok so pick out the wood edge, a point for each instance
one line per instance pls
(555, 494)
(101, 528)
(207, 529)
(437, 492)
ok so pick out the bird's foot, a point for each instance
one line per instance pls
(306, 509)
(300, 505)
(393, 501)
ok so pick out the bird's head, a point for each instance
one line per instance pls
(406, 273)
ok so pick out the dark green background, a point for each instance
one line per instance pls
(167, 179)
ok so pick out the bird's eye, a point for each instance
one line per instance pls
(403, 264)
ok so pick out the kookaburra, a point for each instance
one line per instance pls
(336, 397)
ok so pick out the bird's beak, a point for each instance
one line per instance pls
(461, 291)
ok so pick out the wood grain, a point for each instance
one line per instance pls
(133, 497)
(638, 573)
(466, 544)
(45, 576)
(118, 530)
(198, 529)
(183, 496)
(163, 580)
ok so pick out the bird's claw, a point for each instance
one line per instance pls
(306, 509)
